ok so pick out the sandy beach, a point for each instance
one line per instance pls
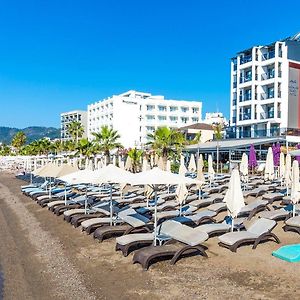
(43, 257)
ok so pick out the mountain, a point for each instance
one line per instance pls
(32, 133)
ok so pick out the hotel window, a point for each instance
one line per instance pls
(184, 119)
(195, 110)
(173, 119)
(150, 117)
(150, 107)
(195, 120)
(184, 109)
(162, 108)
(173, 108)
(162, 118)
(150, 128)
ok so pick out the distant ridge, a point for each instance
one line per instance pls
(32, 133)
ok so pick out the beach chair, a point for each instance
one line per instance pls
(182, 241)
(258, 232)
(292, 224)
(253, 208)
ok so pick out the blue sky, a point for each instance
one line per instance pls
(57, 56)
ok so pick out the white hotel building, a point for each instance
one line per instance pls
(135, 114)
(264, 92)
(72, 116)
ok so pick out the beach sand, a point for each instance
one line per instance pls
(43, 257)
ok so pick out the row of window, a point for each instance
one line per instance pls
(162, 108)
(172, 118)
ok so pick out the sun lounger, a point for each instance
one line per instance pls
(256, 192)
(292, 224)
(271, 197)
(196, 219)
(213, 198)
(253, 208)
(258, 232)
(183, 240)
(134, 222)
(276, 214)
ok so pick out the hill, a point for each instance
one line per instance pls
(32, 133)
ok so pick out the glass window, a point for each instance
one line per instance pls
(173, 108)
(195, 120)
(184, 109)
(162, 108)
(195, 110)
(162, 118)
(150, 117)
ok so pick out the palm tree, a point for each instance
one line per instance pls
(76, 130)
(106, 140)
(136, 159)
(19, 140)
(196, 139)
(166, 142)
(85, 148)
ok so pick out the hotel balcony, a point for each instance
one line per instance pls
(268, 55)
(245, 79)
(245, 117)
(266, 96)
(245, 59)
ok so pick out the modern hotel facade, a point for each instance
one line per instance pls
(265, 99)
(135, 114)
(72, 116)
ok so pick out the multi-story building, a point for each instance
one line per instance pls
(68, 117)
(215, 118)
(134, 114)
(264, 90)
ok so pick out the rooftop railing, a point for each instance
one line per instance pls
(245, 59)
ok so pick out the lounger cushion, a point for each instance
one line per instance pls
(253, 205)
(52, 203)
(231, 238)
(261, 226)
(294, 221)
(74, 211)
(134, 237)
(209, 228)
(85, 224)
(216, 206)
(273, 214)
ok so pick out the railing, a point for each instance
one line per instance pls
(268, 75)
(244, 117)
(234, 102)
(265, 96)
(245, 79)
(268, 55)
(245, 97)
(234, 85)
(245, 59)
(231, 132)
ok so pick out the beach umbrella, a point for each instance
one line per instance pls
(234, 198)
(287, 173)
(281, 167)
(269, 168)
(244, 168)
(145, 165)
(211, 171)
(276, 154)
(182, 169)
(181, 194)
(200, 175)
(156, 177)
(298, 156)
(252, 158)
(295, 185)
(192, 164)
(128, 164)
(156, 158)
(121, 162)
(114, 160)
(168, 166)
(160, 163)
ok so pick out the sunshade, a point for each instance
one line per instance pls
(287, 173)
(244, 168)
(211, 171)
(295, 186)
(234, 198)
(192, 164)
(182, 168)
(269, 168)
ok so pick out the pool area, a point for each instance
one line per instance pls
(290, 253)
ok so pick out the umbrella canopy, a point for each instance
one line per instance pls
(46, 171)
(157, 176)
(145, 165)
(181, 193)
(160, 163)
(244, 165)
(192, 164)
(200, 175)
(128, 164)
(234, 198)
(82, 176)
(295, 186)
(182, 168)
(168, 166)
(269, 169)
(211, 171)
(287, 173)
(298, 156)
(281, 165)
(276, 154)
(121, 162)
(252, 157)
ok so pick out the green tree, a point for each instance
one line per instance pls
(106, 140)
(166, 142)
(196, 140)
(19, 140)
(136, 159)
(76, 130)
(85, 148)
(218, 128)
(4, 150)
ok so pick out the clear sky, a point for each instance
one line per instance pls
(57, 56)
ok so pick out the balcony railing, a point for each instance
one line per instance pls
(244, 117)
(234, 101)
(245, 59)
(268, 75)
(245, 97)
(245, 79)
(265, 96)
(268, 55)
(234, 85)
